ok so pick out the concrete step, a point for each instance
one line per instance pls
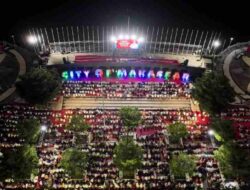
(72, 103)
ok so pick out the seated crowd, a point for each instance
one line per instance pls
(125, 90)
(240, 116)
(105, 132)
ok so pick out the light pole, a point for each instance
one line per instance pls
(13, 39)
(231, 39)
(43, 131)
(215, 44)
(211, 135)
(33, 41)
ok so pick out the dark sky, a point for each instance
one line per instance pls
(230, 18)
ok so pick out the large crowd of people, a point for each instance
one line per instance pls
(166, 89)
(240, 116)
(105, 132)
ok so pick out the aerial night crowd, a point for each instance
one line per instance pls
(105, 132)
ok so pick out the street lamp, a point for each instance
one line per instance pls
(211, 132)
(43, 131)
(33, 40)
(13, 39)
(231, 39)
(211, 135)
(43, 128)
(215, 44)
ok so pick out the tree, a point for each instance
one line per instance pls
(78, 124)
(213, 92)
(177, 131)
(234, 161)
(128, 157)
(74, 162)
(19, 163)
(224, 129)
(39, 85)
(130, 116)
(29, 130)
(182, 164)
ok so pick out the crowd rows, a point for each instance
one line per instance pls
(127, 90)
(105, 132)
(240, 116)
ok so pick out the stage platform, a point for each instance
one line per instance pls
(150, 59)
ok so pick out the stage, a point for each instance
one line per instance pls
(150, 59)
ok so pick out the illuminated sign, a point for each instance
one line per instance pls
(123, 73)
(127, 44)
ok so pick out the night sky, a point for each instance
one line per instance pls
(230, 18)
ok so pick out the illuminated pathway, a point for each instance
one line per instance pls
(73, 103)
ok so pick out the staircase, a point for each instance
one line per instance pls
(73, 103)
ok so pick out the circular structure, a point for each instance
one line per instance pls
(240, 72)
(236, 68)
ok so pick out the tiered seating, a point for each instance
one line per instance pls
(101, 172)
(11, 115)
(241, 122)
(154, 172)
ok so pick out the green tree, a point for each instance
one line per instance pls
(39, 85)
(213, 92)
(224, 129)
(130, 116)
(234, 161)
(177, 131)
(29, 130)
(74, 162)
(78, 124)
(79, 127)
(128, 157)
(19, 163)
(182, 164)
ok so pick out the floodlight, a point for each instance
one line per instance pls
(133, 37)
(141, 39)
(32, 39)
(216, 43)
(121, 36)
(113, 38)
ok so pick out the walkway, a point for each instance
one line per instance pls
(22, 70)
(73, 103)
(2, 56)
(246, 60)
(21, 62)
